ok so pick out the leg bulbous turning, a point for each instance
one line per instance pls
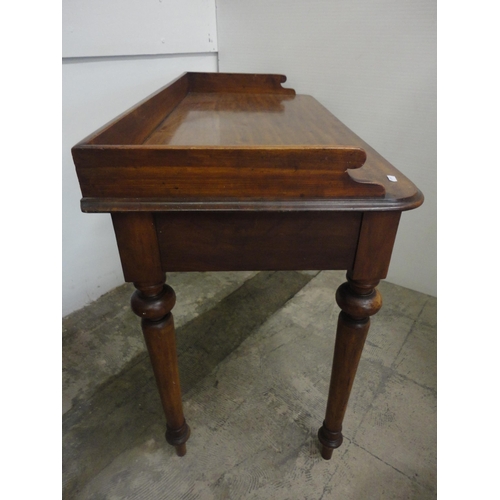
(153, 303)
(358, 301)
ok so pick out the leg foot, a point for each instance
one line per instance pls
(329, 441)
(180, 450)
(326, 452)
(178, 438)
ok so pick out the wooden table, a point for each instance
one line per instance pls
(228, 172)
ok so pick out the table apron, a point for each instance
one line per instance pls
(244, 241)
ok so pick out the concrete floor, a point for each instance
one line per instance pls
(255, 352)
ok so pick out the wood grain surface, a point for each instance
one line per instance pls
(236, 241)
(225, 137)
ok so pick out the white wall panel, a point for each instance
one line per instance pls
(372, 63)
(94, 92)
(132, 27)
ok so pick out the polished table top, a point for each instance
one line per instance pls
(217, 143)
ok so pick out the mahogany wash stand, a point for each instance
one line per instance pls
(233, 172)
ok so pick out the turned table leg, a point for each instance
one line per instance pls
(153, 303)
(358, 301)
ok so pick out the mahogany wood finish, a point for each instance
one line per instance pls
(358, 301)
(248, 241)
(218, 172)
(152, 302)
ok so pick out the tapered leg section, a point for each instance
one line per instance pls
(358, 300)
(153, 303)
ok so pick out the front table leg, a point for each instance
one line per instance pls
(358, 300)
(153, 303)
